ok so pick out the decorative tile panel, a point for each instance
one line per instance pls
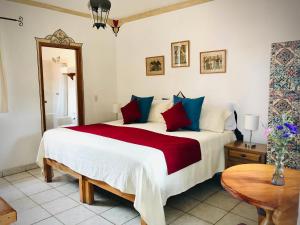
(285, 92)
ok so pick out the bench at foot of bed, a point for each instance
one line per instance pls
(86, 189)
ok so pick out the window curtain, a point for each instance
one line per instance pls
(3, 90)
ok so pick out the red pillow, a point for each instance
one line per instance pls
(176, 117)
(131, 112)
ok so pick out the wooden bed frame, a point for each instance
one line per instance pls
(86, 189)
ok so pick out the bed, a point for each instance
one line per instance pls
(134, 172)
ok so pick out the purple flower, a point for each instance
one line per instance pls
(279, 127)
(285, 135)
(293, 128)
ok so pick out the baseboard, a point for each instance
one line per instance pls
(18, 169)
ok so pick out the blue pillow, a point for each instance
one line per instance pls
(144, 106)
(193, 110)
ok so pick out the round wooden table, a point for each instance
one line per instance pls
(252, 184)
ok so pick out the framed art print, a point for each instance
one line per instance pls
(155, 66)
(180, 53)
(213, 62)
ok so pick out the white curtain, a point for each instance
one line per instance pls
(3, 90)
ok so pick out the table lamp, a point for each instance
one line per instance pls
(251, 124)
(116, 109)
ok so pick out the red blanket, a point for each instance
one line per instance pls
(179, 152)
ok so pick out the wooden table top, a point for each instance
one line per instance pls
(252, 183)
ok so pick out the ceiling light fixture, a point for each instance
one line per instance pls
(100, 11)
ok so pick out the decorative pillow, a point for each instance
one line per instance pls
(158, 107)
(176, 117)
(213, 118)
(193, 110)
(144, 106)
(131, 112)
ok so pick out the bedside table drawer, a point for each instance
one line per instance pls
(244, 155)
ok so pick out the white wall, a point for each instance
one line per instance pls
(245, 28)
(20, 128)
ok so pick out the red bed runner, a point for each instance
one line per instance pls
(179, 152)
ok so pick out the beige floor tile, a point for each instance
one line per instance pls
(50, 221)
(31, 185)
(182, 202)
(10, 193)
(190, 220)
(68, 188)
(60, 180)
(119, 214)
(222, 200)
(96, 220)
(75, 196)
(32, 215)
(35, 172)
(46, 196)
(135, 221)
(245, 210)
(172, 214)
(59, 205)
(232, 219)
(100, 206)
(203, 191)
(22, 204)
(75, 215)
(208, 213)
(17, 176)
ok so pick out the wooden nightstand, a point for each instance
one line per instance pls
(236, 153)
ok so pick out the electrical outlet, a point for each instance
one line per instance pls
(96, 98)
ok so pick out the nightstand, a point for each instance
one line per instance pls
(236, 153)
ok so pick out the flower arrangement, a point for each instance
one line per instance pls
(281, 135)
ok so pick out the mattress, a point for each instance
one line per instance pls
(136, 169)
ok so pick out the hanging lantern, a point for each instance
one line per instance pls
(100, 11)
(115, 27)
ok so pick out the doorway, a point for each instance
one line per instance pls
(61, 85)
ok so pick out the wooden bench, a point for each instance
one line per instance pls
(7, 214)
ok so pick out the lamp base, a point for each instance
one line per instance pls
(250, 145)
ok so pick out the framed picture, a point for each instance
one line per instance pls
(213, 62)
(155, 66)
(180, 52)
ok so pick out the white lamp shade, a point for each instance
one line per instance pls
(251, 122)
(116, 108)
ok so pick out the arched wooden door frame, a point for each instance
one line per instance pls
(59, 39)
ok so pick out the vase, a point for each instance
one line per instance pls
(278, 176)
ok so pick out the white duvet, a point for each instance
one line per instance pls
(135, 169)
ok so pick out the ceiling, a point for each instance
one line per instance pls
(119, 9)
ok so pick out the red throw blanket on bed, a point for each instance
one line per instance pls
(179, 152)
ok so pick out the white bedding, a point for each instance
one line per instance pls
(135, 169)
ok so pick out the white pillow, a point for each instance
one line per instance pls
(230, 123)
(158, 107)
(213, 118)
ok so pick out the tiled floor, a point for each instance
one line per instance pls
(58, 203)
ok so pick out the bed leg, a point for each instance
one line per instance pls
(86, 191)
(143, 222)
(48, 172)
(81, 189)
(89, 192)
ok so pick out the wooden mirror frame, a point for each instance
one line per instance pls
(59, 39)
